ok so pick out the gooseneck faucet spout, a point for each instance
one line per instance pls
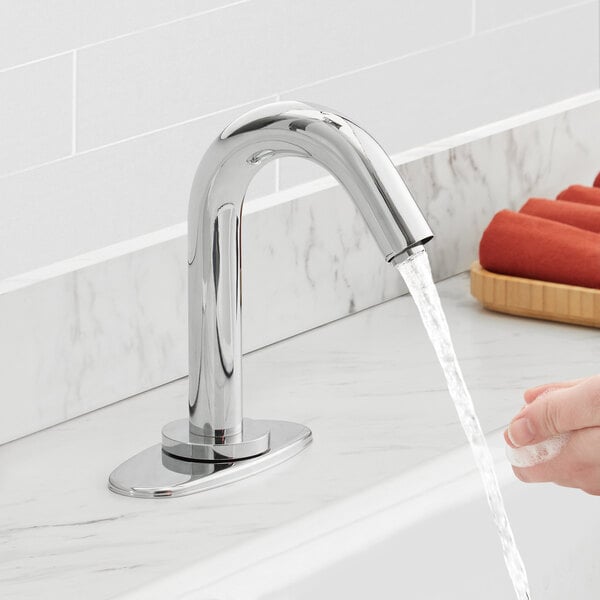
(216, 433)
(214, 233)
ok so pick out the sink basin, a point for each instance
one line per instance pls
(426, 535)
(454, 554)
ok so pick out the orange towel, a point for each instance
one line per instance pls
(597, 181)
(579, 215)
(526, 246)
(582, 194)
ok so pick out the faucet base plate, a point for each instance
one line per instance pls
(155, 474)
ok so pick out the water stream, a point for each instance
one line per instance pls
(417, 274)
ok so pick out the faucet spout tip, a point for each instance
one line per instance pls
(411, 251)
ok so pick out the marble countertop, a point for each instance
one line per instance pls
(369, 387)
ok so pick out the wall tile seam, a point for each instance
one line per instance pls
(239, 2)
(274, 95)
(74, 104)
(530, 18)
(383, 63)
(277, 94)
(124, 35)
(365, 68)
(278, 162)
(459, 40)
(338, 76)
(269, 98)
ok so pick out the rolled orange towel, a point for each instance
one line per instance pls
(582, 194)
(526, 246)
(597, 181)
(579, 215)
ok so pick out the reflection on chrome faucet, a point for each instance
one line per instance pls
(216, 445)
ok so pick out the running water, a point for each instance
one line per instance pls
(417, 274)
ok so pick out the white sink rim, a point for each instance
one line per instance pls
(363, 519)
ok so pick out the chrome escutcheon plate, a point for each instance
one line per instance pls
(155, 474)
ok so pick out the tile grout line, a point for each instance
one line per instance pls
(36, 166)
(278, 96)
(194, 119)
(166, 23)
(35, 61)
(382, 63)
(278, 161)
(74, 107)
(277, 176)
(178, 124)
(270, 97)
(212, 114)
(124, 35)
(240, 2)
(531, 18)
(439, 46)
(225, 109)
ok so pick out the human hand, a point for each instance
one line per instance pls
(568, 407)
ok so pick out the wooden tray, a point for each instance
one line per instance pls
(536, 299)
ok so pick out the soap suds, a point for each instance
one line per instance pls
(528, 456)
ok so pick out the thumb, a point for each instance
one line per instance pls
(557, 411)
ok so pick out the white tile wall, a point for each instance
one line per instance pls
(409, 71)
(35, 114)
(163, 76)
(415, 100)
(34, 29)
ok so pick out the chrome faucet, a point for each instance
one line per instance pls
(216, 445)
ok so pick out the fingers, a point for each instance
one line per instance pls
(578, 465)
(533, 393)
(555, 408)
(557, 411)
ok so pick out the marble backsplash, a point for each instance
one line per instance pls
(91, 331)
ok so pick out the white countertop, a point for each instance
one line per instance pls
(369, 387)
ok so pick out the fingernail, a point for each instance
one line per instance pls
(521, 432)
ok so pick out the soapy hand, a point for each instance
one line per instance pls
(569, 409)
